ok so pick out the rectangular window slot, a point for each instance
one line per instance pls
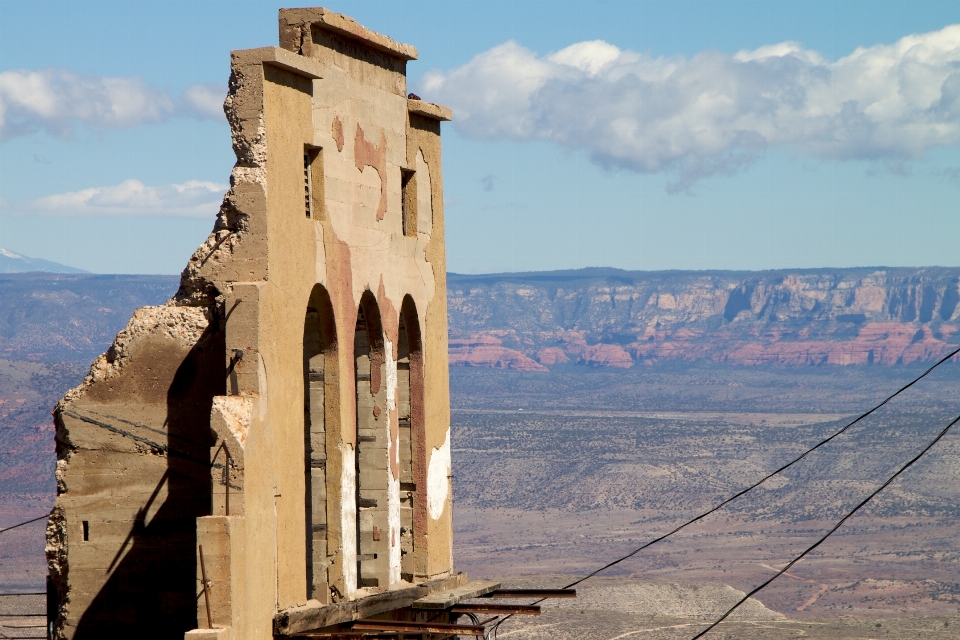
(408, 187)
(86, 531)
(363, 377)
(368, 438)
(307, 191)
(366, 502)
(404, 422)
(313, 196)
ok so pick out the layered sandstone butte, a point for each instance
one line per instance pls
(612, 318)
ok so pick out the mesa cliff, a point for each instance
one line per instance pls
(613, 318)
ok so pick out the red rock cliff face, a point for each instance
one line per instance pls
(605, 317)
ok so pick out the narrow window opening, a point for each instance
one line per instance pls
(409, 205)
(307, 187)
(86, 531)
(313, 196)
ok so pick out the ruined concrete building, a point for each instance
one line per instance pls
(268, 453)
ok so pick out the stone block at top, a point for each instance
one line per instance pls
(294, 21)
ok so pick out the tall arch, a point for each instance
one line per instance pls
(372, 452)
(410, 413)
(321, 391)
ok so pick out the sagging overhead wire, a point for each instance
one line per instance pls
(769, 475)
(752, 486)
(829, 533)
(46, 515)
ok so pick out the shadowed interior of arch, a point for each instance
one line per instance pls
(320, 381)
(372, 457)
(412, 454)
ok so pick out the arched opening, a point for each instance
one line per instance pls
(411, 441)
(372, 452)
(320, 394)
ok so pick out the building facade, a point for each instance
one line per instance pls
(276, 437)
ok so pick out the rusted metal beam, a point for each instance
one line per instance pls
(206, 589)
(335, 635)
(510, 609)
(532, 593)
(418, 627)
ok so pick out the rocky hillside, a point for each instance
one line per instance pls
(52, 318)
(596, 317)
(613, 318)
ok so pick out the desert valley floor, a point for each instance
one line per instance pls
(557, 473)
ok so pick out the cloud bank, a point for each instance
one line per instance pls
(56, 101)
(713, 113)
(193, 198)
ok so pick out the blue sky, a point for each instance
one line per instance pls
(639, 135)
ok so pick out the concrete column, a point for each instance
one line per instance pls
(222, 541)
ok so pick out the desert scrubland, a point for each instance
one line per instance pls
(585, 423)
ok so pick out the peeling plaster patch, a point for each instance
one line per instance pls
(393, 433)
(348, 519)
(438, 480)
(338, 133)
(367, 154)
(237, 411)
(393, 479)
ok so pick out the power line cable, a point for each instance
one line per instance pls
(829, 533)
(769, 475)
(46, 515)
(753, 486)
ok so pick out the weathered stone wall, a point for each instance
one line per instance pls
(133, 476)
(225, 365)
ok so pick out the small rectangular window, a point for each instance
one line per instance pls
(313, 196)
(86, 531)
(408, 188)
(307, 187)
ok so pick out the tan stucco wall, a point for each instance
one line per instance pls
(252, 281)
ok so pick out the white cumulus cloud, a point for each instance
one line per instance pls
(713, 112)
(129, 198)
(57, 101)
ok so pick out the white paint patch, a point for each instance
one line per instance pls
(348, 519)
(391, 366)
(393, 450)
(438, 478)
(391, 369)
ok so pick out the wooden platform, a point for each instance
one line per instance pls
(446, 599)
(314, 615)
